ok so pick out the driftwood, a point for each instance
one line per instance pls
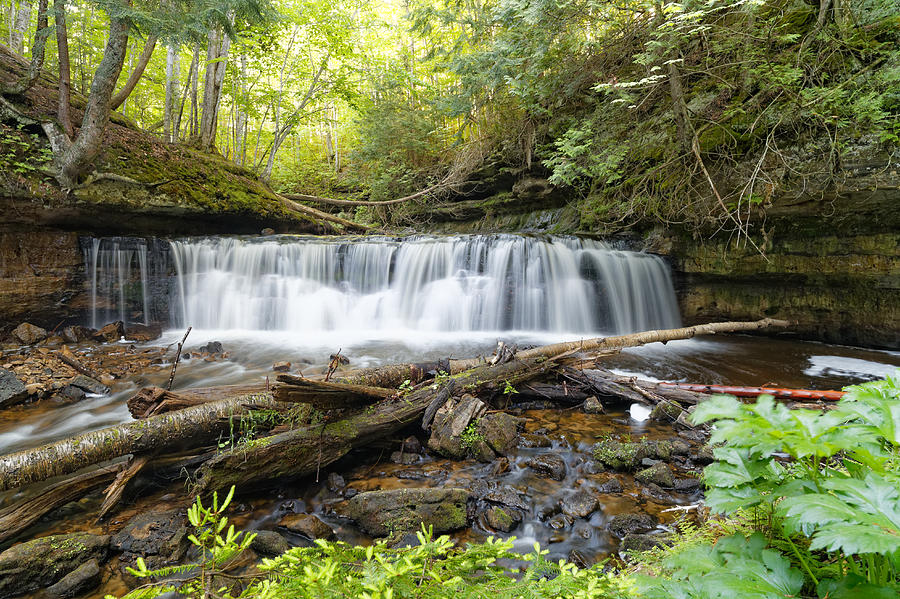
(19, 516)
(304, 451)
(177, 357)
(326, 395)
(392, 376)
(150, 401)
(165, 432)
(115, 490)
(66, 356)
(606, 384)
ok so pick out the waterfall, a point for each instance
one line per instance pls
(457, 284)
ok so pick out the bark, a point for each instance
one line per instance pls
(20, 27)
(682, 120)
(64, 111)
(136, 74)
(630, 389)
(191, 84)
(170, 133)
(115, 490)
(66, 356)
(150, 401)
(19, 516)
(38, 51)
(304, 451)
(216, 56)
(74, 159)
(192, 427)
(393, 375)
(328, 396)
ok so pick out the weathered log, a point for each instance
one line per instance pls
(552, 392)
(632, 389)
(392, 376)
(19, 516)
(304, 451)
(150, 401)
(327, 396)
(166, 432)
(66, 356)
(115, 490)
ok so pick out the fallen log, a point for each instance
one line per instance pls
(327, 396)
(778, 392)
(392, 376)
(318, 215)
(19, 516)
(631, 389)
(166, 432)
(66, 356)
(115, 490)
(304, 451)
(156, 400)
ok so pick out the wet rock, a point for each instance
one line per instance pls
(42, 562)
(77, 334)
(269, 542)
(658, 474)
(509, 497)
(481, 451)
(579, 559)
(641, 542)
(36, 390)
(142, 333)
(560, 521)
(529, 440)
(213, 347)
(545, 511)
(53, 340)
(592, 405)
(162, 534)
(308, 525)
(501, 466)
(684, 422)
(498, 519)
(610, 485)
(550, 465)
(450, 422)
(625, 524)
(620, 456)
(412, 444)
(687, 485)
(85, 578)
(704, 455)
(111, 332)
(405, 539)
(654, 491)
(267, 231)
(412, 474)
(12, 390)
(680, 447)
(405, 458)
(281, 366)
(666, 411)
(579, 504)
(29, 334)
(336, 482)
(381, 513)
(499, 431)
(88, 384)
(71, 393)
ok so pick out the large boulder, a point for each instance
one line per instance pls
(39, 563)
(499, 430)
(658, 474)
(622, 525)
(88, 384)
(450, 422)
(382, 513)
(12, 390)
(77, 334)
(29, 334)
(111, 332)
(162, 534)
(579, 504)
(143, 333)
(83, 579)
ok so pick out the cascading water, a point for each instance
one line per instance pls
(470, 283)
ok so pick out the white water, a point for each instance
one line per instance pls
(439, 285)
(110, 268)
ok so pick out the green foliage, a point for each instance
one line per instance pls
(21, 153)
(471, 436)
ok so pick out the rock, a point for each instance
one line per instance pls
(405, 459)
(336, 482)
(308, 525)
(529, 440)
(77, 334)
(42, 562)
(53, 340)
(450, 421)
(654, 491)
(579, 559)
(12, 390)
(88, 384)
(687, 485)
(213, 347)
(85, 578)
(71, 393)
(680, 447)
(666, 411)
(143, 333)
(499, 430)
(381, 513)
(610, 485)
(269, 542)
(579, 504)
(560, 521)
(625, 524)
(161, 534)
(592, 405)
(704, 455)
(36, 390)
(620, 456)
(267, 231)
(111, 332)
(501, 466)
(641, 542)
(406, 539)
(281, 366)
(683, 422)
(29, 334)
(509, 497)
(498, 519)
(658, 474)
(549, 464)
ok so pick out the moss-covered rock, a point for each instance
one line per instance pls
(382, 513)
(42, 562)
(659, 474)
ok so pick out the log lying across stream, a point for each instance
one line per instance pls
(370, 409)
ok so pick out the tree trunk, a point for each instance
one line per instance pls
(216, 55)
(38, 51)
(136, 74)
(170, 132)
(192, 427)
(327, 395)
(64, 111)
(20, 27)
(303, 451)
(74, 160)
(191, 78)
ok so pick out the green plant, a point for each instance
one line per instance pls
(471, 436)
(508, 389)
(216, 551)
